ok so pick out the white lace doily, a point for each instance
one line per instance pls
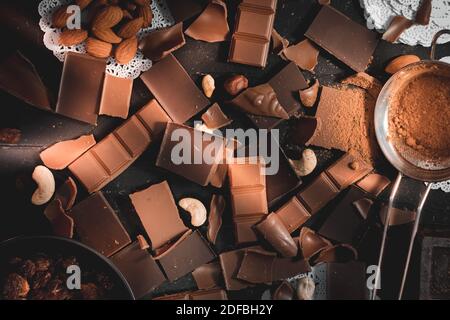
(161, 18)
(444, 186)
(379, 13)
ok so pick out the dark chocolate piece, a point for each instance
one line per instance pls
(373, 183)
(257, 266)
(93, 212)
(339, 253)
(278, 42)
(275, 232)
(304, 54)
(158, 213)
(347, 40)
(139, 268)
(293, 214)
(200, 173)
(397, 26)
(214, 118)
(185, 256)
(62, 224)
(424, 13)
(67, 193)
(243, 228)
(62, 154)
(284, 292)
(81, 87)
(158, 44)
(251, 39)
(212, 294)
(211, 25)
(216, 209)
(208, 276)
(303, 130)
(174, 89)
(186, 9)
(116, 96)
(286, 85)
(363, 207)
(398, 216)
(311, 243)
(19, 77)
(308, 96)
(260, 100)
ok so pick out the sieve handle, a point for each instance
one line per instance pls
(434, 42)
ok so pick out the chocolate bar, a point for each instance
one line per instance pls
(211, 294)
(347, 40)
(139, 268)
(293, 214)
(200, 173)
(116, 96)
(81, 87)
(248, 196)
(110, 157)
(208, 276)
(185, 256)
(93, 212)
(174, 89)
(251, 39)
(158, 213)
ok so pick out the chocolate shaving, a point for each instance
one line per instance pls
(214, 118)
(278, 42)
(311, 243)
(423, 14)
(216, 209)
(67, 193)
(397, 26)
(304, 54)
(162, 42)
(260, 100)
(363, 207)
(10, 136)
(284, 292)
(364, 81)
(62, 224)
(308, 96)
(212, 24)
(341, 253)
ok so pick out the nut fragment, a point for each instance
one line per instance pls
(208, 85)
(306, 164)
(354, 165)
(46, 185)
(236, 84)
(305, 289)
(401, 62)
(196, 209)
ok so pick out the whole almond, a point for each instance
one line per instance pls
(59, 17)
(130, 28)
(83, 3)
(146, 13)
(106, 35)
(401, 62)
(127, 14)
(98, 48)
(126, 51)
(72, 37)
(108, 17)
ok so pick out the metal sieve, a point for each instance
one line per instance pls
(406, 164)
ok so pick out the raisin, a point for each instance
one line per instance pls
(42, 264)
(15, 287)
(27, 269)
(90, 291)
(41, 279)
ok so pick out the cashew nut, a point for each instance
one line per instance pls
(196, 209)
(46, 185)
(306, 164)
(208, 85)
(305, 289)
(203, 127)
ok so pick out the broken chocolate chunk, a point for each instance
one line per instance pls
(158, 44)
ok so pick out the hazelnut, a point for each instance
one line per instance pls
(354, 165)
(236, 84)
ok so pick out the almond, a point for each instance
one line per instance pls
(127, 14)
(106, 35)
(98, 48)
(130, 28)
(72, 37)
(126, 51)
(59, 17)
(142, 2)
(401, 62)
(146, 13)
(108, 17)
(83, 3)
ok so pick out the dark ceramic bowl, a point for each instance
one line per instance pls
(54, 246)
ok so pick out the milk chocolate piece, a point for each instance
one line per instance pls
(275, 232)
(286, 85)
(397, 26)
(373, 183)
(293, 214)
(278, 42)
(316, 195)
(308, 96)
(214, 118)
(10, 135)
(363, 207)
(424, 13)
(311, 243)
(243, 229)
(257, 266)
(67, 193)
(284, 292)
(219, 176)
(19, 77)
(158, 213)
(342, 173)
(285, 268)
(154, 118)
(211, 25)
(251, 39)
(339, 253)
(93, 212)
(347, 40)
(158, 44)
(62, 224)
(186, 9)
(81, 87)
(260, 100)
(62, 154)
(216, 209)
(365, 81)
(398, 216)
(208, 276)
(304, 54)
(139, 268)
(143, 244)
(116, 96)
(174, 89)
(211, 294)
(200, 173)
(185, 256)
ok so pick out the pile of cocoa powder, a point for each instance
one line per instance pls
(419, 118)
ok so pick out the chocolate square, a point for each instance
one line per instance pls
(293, 214)
(318, 193)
